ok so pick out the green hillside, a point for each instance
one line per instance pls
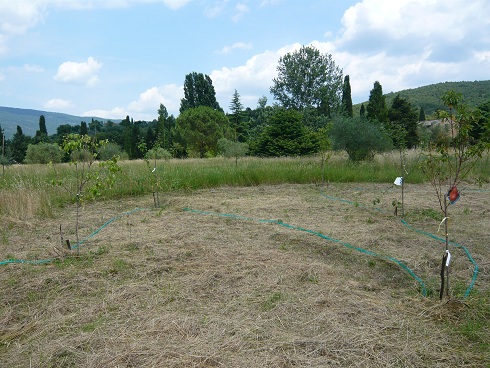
(28, 120)
(429, 97)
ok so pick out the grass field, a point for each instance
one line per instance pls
(269, 275)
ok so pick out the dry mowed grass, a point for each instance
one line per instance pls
(220, 287)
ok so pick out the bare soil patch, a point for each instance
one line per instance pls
(242, 277)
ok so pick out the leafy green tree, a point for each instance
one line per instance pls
(158, 153)
(19, 145)
(285, 135)
(200, 128)
(308, 78)
(63, 130)
(359, 137)
(165, 126)
(347, 98)
(481, 131)
(403, 123)
(95, 126)
(132, 138)
(88, 183)
(258, 119)
(376, 108)
(446, 166)
(109, 150)
(43, 153)
(198, 91)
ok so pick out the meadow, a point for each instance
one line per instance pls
(260, 264)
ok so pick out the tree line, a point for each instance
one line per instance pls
(313, 113)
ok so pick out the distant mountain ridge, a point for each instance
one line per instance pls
(28, 120)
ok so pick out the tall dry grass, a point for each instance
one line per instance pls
(27, 191)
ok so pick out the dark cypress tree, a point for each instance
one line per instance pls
(403, 123)
(376, 108)
(422, 114)
(83, 128)
(19, 145)
(150, 138)
(42, 125)
(362, 112)
(42, 133)
(347, 98)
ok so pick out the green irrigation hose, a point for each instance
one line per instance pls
(350, 246)
(43, 261)
(467, 252)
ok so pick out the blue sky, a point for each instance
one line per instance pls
(112, 58)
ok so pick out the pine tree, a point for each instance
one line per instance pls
(422, 114)
(347, 98)
(236, 108)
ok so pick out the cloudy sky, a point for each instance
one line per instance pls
(112, 58)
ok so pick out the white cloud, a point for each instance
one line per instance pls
(409, 43)
(236, 46)
(73, 72)
(175, 4)
(216, 9)
(58, 104)
(116, 113)
(240, 10)
(149, 101)
(255, 75)
(33, 68)
(147, 104)
(270, 2)
(18, 16)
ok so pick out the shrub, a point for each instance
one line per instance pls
(158, 153)
(109, 151)
(43, 153)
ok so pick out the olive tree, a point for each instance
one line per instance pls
(359, 137)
